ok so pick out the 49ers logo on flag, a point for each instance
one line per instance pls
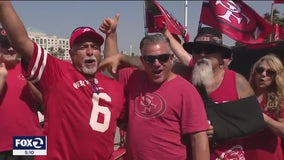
(237, 20)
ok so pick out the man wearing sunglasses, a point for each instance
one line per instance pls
(207, 57)
(82, 106)
(18, 107)
(166, 116)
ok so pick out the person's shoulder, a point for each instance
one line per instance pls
(240, 78)
(182, 79)
(104, 76)
(109, 82)
(182, 82)
(130, 69)
(131, 72)
(61, 64)
(101, 76)
(243, 86)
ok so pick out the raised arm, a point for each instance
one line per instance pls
(35, 92)
(117, 61)
(108, 27)
(183, 56)
(3, 76)
(15, 30)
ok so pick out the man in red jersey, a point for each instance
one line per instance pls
(82, 105)
(18, 108)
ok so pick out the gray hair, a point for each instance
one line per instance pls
(154, 39)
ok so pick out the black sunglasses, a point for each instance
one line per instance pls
(268, 72)
(198, 49)
(162, 58)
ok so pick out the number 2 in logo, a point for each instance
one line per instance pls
(96, 110)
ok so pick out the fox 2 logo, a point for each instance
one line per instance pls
(29, 142)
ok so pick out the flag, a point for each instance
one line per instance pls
(236, 20)
(155, 15)
(281, 33)
(278, 1)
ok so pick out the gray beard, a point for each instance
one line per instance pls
(89, 71)
(202, 73)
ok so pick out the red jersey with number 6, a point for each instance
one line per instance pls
(81, 123)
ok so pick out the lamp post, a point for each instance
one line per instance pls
(271, 18)
(185, 14)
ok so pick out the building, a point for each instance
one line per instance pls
(56, 46)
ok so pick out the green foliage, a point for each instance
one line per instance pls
(276, 19)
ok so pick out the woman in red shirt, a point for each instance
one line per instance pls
(267, 80)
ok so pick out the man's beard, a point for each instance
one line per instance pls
(202, 74)
(88, 69)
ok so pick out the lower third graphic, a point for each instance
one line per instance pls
(29, 145)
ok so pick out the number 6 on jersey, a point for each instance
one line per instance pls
(97, 126)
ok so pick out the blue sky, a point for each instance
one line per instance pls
(61, 17)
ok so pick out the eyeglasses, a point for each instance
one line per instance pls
(269, 72)
(162, 58)
(198, 49)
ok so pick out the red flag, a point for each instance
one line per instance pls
(237, 20)
(278, 1)
(156, 15)
(281, 32)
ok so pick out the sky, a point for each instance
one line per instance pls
(61, 17)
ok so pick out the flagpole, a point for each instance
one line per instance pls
(144, 13)
(185, 15)
(271, 18)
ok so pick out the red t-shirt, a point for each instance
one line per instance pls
(18, 112)
(159, 116)
(265, 144)
(81, 123)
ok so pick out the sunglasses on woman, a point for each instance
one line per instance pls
(269, 72)
(162, 58)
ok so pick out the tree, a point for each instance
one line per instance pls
(51, 50)
(276, 19)
(59, 53)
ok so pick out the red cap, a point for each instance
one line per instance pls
(83, 31)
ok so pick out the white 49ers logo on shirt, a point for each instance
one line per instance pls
(234, 153)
